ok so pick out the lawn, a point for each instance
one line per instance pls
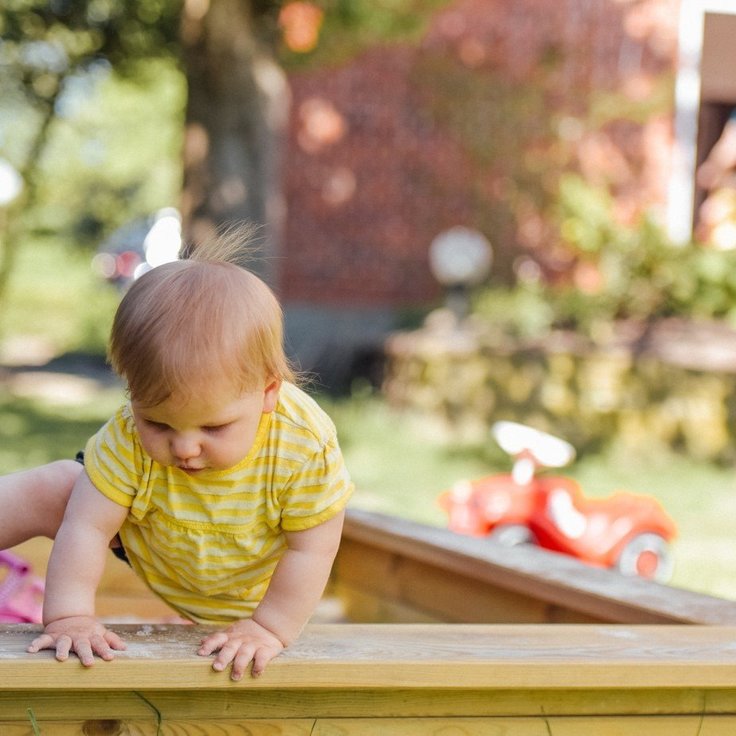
(399, 464)
(400, 468)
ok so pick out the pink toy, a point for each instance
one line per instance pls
(625, 531)
(21, 592)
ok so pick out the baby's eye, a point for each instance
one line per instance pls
(158, 426)
(215, 429)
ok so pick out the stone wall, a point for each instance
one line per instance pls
(671, 384)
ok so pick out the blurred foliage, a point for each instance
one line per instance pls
(348, 27)
(92, 114)
(93, 99)
(621, 272)
(44, 42)
(523, 311)
(90, 181)
(502, 125)
(48, 48)
(605, 106)
(49, 299)
(48, 51)
(72, 72)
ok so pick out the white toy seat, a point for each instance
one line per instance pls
(546, 450)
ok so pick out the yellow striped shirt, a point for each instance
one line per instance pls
(208, 545)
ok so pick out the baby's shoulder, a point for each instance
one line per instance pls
(120, 426)
(298, 413)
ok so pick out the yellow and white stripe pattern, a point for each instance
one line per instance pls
(208, 545)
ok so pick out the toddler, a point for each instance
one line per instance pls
(219, 481)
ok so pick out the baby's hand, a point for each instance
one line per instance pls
(84, 635)
(241, 643)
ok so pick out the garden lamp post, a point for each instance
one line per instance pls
(460, 258)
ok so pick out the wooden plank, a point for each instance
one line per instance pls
(535, 583)
(403, 656)
(433, 727)
(648, 726)
(115, 727)
(396, 680)
(391, 569)
(519, 680)
(416, 590)
(634, 726)
(57, 705)
(245, 702)
(363, 606)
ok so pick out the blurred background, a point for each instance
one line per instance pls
(471, 210)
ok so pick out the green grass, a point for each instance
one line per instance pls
(34, 431)
(400, 468)
(54, 295)
(399, 464)
(701, 497)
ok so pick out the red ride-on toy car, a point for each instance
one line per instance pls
(625, 531)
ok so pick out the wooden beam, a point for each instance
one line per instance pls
(523, 680)
(388, 656)
(394, 569)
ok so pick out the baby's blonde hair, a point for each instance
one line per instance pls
(188, 325)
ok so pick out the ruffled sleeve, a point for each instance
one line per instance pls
(319, 490)
(113, 459)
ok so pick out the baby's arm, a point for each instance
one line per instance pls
(293, 593)
(74, 571)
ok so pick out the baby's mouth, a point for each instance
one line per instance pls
(188, 469)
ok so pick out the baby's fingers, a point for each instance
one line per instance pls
(44, 641)
(241, 660)
(228, 653)
(262, 657)
(62, 644)
(83, 648)
(114, 641)
(212, 643)
(259, 655)
(101, 647)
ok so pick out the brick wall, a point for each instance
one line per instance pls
(472, 126)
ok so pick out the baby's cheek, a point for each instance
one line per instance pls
(153, 447)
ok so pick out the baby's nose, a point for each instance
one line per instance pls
(185, 447)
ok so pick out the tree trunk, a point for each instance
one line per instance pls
(236, 119)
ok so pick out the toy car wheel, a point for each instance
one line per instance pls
(512, 535)
(648, 556)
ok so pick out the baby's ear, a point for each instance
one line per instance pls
(271, 394)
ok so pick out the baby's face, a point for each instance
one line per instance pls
(196, 434)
